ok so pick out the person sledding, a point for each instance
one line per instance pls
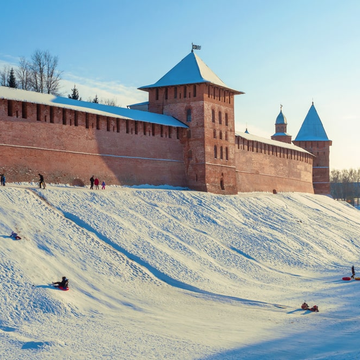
(353, 272)
(15, 236)
(63, 284)
(305, 306)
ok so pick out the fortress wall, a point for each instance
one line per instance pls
(65, 145)
(262, 167)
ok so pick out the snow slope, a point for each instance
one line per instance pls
(172, 274)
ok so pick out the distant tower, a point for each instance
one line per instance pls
(193, 94)
(312, 137)
(281, 128)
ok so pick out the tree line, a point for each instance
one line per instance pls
(41, 74)
(345, 184)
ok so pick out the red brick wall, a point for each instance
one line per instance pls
(55, 149)
(263, 168)
(204, 172)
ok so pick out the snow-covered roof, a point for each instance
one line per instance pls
(312, 128)
(281, 119)
(251, 137)
(190, 70)
(92, 108)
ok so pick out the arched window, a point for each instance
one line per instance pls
(220, 118)
(215, 151)
(226, 119)
(157, 94)
(194, 91)
(188, 115)
(221, 153)
(184, 91)
(213, 115)
(220, 135)
(226, 153)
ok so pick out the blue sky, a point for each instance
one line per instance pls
(277, 52)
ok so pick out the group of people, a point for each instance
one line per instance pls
(2, 179)
(96, 182)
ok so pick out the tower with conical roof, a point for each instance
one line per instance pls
(281, 128)
(313, 138)
(193, 94)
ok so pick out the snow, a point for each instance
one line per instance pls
(162, 273)
(190, 70)
(251, 137)
(92, 108)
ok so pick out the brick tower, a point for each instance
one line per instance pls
(312, 137)
(193, 94)
(281, 129)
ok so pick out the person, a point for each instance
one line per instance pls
(3, 180)
(305, 306)
(64, 283)
(353, 272)
(92, 182)
(103, 185)
(41, 181)
(15, 236)
(96, 182)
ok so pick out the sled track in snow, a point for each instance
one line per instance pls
(137, 261)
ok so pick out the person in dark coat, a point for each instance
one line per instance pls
(92, 182)
(41, 181)
(64, 283)
(353, 272)
(3, 179)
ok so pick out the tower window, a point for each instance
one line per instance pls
(220, 118)
(97, 122)
(226, 119)
(220, 135)
(215, 151)
(213, 115)
(194, 91)
(214, 134)
(226, 153)
(188, 115)
(117, 125)
(184, 91)
(221, 153)
(175, 92)
(86, 120)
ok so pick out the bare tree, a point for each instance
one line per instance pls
(4, 76)
(23, 74)
(45, 78)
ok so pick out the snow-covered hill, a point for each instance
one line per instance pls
(176, 274)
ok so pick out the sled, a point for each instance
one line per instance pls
(346, 278)
(357, 278)
(62, 288)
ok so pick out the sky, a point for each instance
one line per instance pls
(158, 273)
(277, 52)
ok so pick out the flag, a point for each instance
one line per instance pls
(196, 47)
